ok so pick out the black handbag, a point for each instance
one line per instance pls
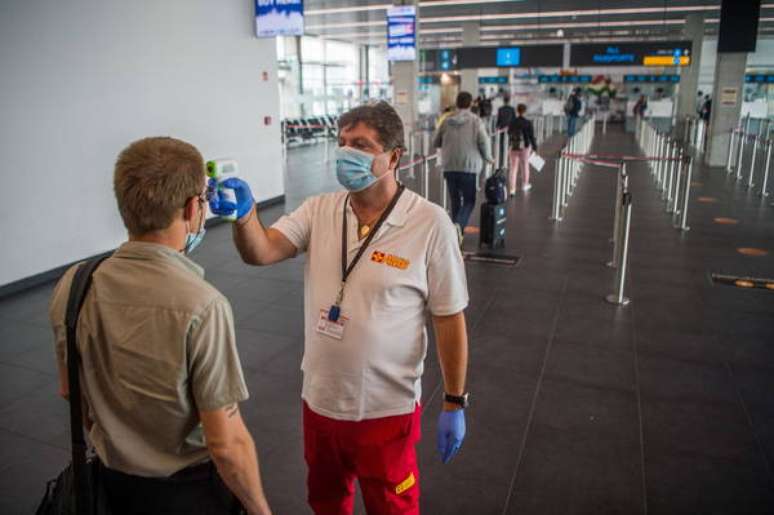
(78, 490)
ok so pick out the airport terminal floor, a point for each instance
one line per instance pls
(577, 406)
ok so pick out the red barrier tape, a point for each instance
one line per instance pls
(617, 157)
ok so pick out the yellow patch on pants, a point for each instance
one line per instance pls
(405, 484)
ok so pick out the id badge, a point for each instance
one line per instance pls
(329, 328)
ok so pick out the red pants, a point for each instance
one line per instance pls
(380, 453)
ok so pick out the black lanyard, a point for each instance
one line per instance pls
(346, 269)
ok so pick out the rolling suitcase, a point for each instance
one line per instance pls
(493, 218)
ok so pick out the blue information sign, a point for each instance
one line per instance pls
(651, 78)
(402, 33)
(564, 79)
(509, 56)
(759, 78)
(279, 18)
(493, 80)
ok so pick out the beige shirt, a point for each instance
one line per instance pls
(157, 346)
(412, 267)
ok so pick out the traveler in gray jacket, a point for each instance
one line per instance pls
(465, 147)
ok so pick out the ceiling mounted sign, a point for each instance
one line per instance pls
(402, 33)
(279, 18)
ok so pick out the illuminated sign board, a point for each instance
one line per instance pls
(658, 53)
(279, 18)
(493, 80)
(651, 79)
(564, 79)
(453, 59)
(402, 33)
(508, 57)
(759, 78)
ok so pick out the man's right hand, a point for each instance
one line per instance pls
(244, 198)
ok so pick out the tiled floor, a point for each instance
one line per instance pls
(579, 407)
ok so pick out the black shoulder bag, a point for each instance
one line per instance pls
(78, 490)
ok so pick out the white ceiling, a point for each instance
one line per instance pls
(507, 21)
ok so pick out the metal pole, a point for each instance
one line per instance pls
(740, 157)
(752, 163)
(556, 206)
(676, 200)
(765, 193)
(686, 198)
(618, 297)
(425, 178)
(619, 190)
(731, 148)
(669, 174)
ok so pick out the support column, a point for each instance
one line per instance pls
(689, 76)
(471, 36)
(726, 105)
(404, 82)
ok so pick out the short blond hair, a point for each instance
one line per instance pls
(153, 179)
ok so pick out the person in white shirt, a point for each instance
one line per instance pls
(380, 258)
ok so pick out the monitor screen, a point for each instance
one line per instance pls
(509, 57)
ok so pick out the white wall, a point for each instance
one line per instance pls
(82, 79)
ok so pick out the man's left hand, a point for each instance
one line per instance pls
(451, 432)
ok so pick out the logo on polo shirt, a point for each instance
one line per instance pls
(388, 259)
(405, 484)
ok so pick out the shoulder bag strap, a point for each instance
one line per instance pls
(78, 289)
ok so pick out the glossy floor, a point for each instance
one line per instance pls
(578, 407)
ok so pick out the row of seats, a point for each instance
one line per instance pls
(302, 130)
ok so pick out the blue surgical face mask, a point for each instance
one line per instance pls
(192, 240)
(353, 169)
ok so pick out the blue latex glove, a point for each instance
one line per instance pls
(244, 197)
(451, 432)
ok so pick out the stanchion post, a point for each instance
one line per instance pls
(765, 183)
(556, 213)
(754, 157)
(676, 200)
(683, 226)
(740, 156)
(666, 195)
(618, 297)
(622, 184)
(731, 148)
(425, 178)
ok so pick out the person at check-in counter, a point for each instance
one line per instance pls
(380, 258)
(161, 380)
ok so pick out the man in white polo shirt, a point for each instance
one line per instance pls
(380, 258)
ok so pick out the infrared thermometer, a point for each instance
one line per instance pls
(220, 170)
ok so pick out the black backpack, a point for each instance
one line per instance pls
(496, 188)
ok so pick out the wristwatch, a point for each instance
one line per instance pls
(462, 400)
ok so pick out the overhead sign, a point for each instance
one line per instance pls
(452, 59)
(279, 18)
(402, 33)
(564, 79)
(493, 80)
(509, 57)
(648, 79)
(759, 78)
(657, 53)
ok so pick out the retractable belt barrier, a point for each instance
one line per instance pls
(570, 164)
(760, 154)
(671, 168)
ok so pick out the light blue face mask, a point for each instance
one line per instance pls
(192, 240)
(353, 169)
